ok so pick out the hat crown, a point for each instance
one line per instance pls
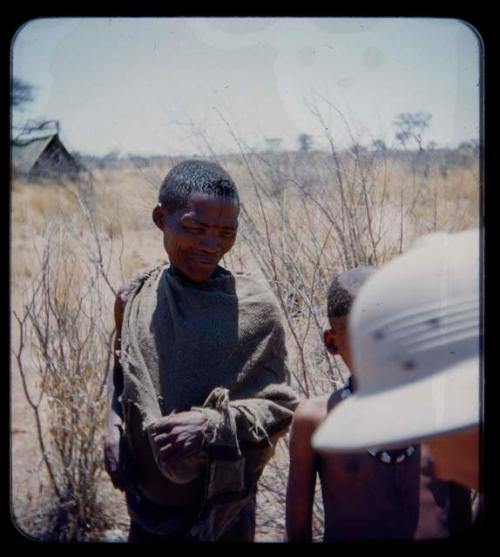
(403, 327)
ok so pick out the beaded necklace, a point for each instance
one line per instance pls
(394, 456)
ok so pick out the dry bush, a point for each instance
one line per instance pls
(359, 209)
(64, 328)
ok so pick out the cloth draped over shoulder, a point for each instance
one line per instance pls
(217, 347)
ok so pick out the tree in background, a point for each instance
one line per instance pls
(305, 142)
(379, 145)
(410, 126)
(21, 93)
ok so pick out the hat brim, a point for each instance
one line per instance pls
(432, 406)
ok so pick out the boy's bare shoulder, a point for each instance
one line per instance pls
(311, 410)
(317, 407)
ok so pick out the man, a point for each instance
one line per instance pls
(199, 398)
(381, 494)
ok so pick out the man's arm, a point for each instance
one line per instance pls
(115, 380)
(302, 473)
(257, 421)
(114, 420)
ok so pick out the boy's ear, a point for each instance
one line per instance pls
(329, 340)
(158, 216)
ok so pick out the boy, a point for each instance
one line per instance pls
(198, 398)
(415, 333)
(375, 495)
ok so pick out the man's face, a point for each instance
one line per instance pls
(337, 339)
(197, 237)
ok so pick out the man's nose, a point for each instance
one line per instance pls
(210, 243)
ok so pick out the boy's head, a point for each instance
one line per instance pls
(341, 294)
(198, 215)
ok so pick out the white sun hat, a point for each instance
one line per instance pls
(415, 342)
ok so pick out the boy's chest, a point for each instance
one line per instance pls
(366, 476)
(364, 499)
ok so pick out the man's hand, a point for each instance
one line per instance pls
(112, 456)
(178, 436)
(118, 461)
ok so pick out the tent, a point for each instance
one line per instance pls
(44, 157)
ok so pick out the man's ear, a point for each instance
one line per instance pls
(329, 340)
(159, 216)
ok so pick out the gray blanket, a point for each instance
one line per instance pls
(219, 348)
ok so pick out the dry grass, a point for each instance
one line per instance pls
(303, 220)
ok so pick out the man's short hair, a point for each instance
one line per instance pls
(195, 176)
(344, 288)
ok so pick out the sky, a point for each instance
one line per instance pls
(172, 86)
